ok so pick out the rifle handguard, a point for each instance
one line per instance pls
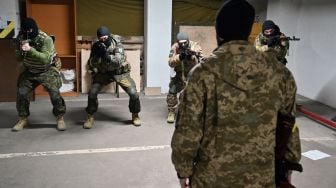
(292, 166)
(285, 184)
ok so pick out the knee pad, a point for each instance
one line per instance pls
(93, 93)
(23, 92)
(133, 94)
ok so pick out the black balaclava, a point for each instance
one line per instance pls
(183, 36)
(26, 25)
(269, 24)
(234, 21)
(104, 31)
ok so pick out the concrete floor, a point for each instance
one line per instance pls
(116, 154)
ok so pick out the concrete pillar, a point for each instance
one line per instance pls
(158, 28)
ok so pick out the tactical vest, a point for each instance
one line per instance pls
(281, 51)
(104, 67)
(183, 69)
(33, 65)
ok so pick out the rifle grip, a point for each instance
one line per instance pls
(284, 184)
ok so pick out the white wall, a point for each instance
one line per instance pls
(260, 7)
(158, 24)
(158, 27)
(312, 60)
(9, 11)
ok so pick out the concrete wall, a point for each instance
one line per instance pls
(158, 21)
(260, 7)
(312, 60)
(9, 11)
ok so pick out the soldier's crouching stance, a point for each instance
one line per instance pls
(41, 65)
(108, 63)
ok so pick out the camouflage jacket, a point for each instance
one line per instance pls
(116, 64)
(280, 47)
(226, 122)
(41, 55)
(182, 67)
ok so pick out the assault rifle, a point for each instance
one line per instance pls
(284, 128)
(276, 40)
(293, 38)
(186, 54)
(21, 39)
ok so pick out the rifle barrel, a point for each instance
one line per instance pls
(293, 38)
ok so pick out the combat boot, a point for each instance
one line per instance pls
(136, 119)
(23, 121)
(171, 117)
(89, 122)
(60, 123)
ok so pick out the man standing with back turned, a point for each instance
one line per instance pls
(226, 122)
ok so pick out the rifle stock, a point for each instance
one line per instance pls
(285, 185)
(284, 128)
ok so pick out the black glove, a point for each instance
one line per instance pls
(284, 61)
(182, 56)
(99, 49)
(191, 54)
(106, 57)
(272, 41)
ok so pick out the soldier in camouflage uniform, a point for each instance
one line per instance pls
(107, 63)
(183, 56)
(272, 39)
(36, 53)
(226, 121)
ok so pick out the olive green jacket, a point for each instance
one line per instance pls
(41, 55)
(115, 65)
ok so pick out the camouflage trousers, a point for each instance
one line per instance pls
(176, 85)
(27, 82)
(124, 80)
